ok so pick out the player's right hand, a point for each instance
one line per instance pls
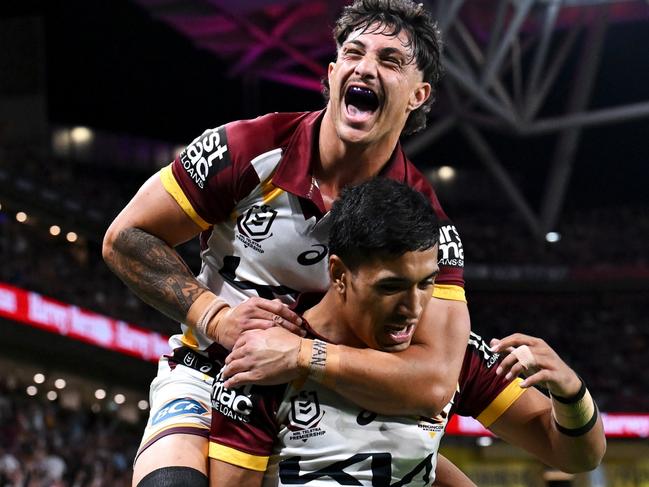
(257, 314)
(264, 357)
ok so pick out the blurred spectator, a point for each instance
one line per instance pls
(74, 273)
(90, 196)
(44, 445)
(597, 237)
(603, 335)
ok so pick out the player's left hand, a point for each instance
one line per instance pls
(534, 358)
(264, 357)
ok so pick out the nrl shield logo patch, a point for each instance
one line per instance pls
(305, 410)
(256, 222)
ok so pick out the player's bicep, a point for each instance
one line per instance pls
(156, 212)
(444, 323)
(444, 332)
(526, 423)
(223, 474)
(440, 343)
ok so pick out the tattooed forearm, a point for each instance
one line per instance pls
(154, 271)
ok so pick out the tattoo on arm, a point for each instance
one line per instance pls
(155, 272)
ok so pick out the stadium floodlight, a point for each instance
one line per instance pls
(81, 135)
(446, 173)
(552, 237)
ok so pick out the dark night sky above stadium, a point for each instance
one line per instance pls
(110, 66)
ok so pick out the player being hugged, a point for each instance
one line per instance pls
(382, 265)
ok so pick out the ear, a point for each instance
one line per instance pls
(338, 273)
(418, 97)
(330, 68)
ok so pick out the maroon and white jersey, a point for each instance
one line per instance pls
(306, 434)
(249, 186)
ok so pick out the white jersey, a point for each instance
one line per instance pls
(321, 439)
(308, 435)
(249, 186)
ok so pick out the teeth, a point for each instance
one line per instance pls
(364, 99)
(398, 328)
(360, 89)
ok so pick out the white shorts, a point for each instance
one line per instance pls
(180, 404)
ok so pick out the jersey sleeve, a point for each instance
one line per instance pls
(244, 426)
(450, 281)
(483, 394)
(213, 173)
(201, 179)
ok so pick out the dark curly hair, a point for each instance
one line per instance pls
(391, 17)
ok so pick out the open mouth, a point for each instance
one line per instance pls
(400, 334)
(361, 101)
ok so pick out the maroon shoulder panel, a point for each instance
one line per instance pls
(479, 384)
(214, 171)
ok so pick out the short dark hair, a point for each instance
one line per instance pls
(380, 218)
(398, 15)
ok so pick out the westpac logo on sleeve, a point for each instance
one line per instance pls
(451, 252)
(488, 356)
(206, 156)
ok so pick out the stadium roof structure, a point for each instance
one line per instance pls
(548, 97)
(506, 61)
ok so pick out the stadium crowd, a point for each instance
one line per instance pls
(611, 337)
(595, 239)
(604, 237)
(36, 261)
(601, 334)
(45, 445)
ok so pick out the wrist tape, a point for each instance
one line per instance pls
(576, 415)
(201, 313)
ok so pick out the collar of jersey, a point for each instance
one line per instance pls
(295, 174)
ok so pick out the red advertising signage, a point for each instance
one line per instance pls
(79, 324)
(616, 425)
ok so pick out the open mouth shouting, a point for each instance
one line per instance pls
(360, 103)
(400, 333)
